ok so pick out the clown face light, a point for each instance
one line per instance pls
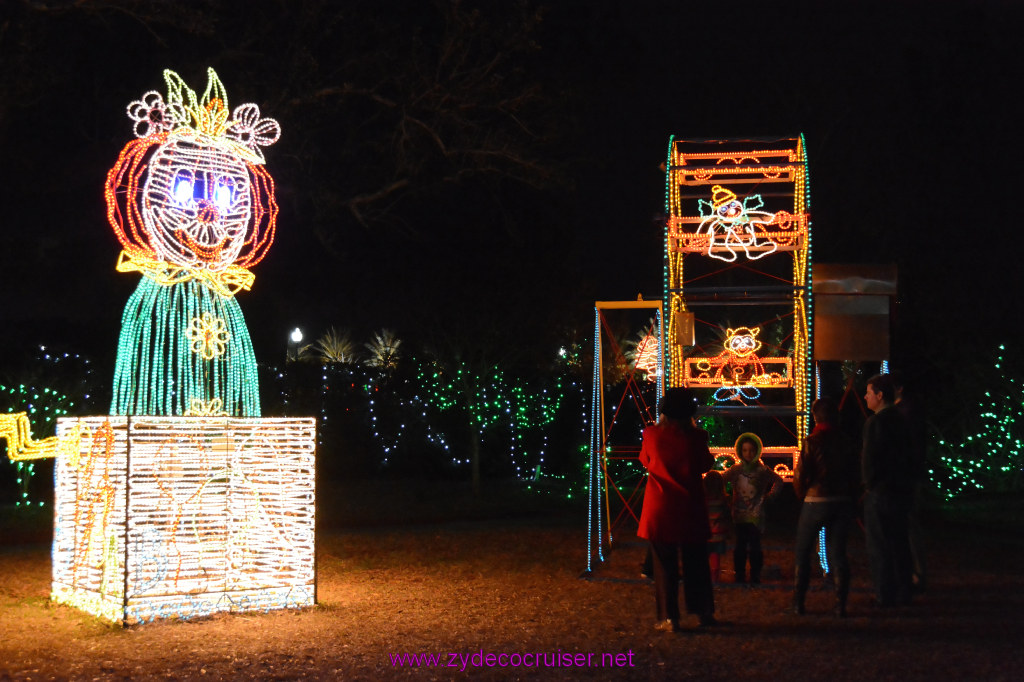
(730, 212)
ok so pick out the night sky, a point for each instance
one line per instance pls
(909, 110)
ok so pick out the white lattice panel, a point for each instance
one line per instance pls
(185, 516)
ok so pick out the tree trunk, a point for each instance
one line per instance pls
(474, 457)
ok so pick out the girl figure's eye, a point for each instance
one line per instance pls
(222, 196)
(183, 187)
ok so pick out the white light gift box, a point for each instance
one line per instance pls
(181, 517)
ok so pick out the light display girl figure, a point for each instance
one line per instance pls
(194, 208)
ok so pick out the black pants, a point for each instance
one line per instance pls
(696, 579)
(885, 524)
(748, 541)
(836, 517)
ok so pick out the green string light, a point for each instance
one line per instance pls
(992, 458)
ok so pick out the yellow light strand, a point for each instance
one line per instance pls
(17, 431)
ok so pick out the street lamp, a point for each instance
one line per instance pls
(294, 339)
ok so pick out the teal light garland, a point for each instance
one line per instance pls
(666, 358)
(594, 534)
(809, 368)
(163, 370)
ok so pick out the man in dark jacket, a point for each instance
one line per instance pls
(909, 405)
(887, 473)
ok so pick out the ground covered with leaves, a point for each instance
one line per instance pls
(507, 581)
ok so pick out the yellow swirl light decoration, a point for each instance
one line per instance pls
(226, 282)
(17, 431)
(727, 456)
(209, 336)
(206, 408)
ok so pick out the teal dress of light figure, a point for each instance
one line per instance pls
(184, 349)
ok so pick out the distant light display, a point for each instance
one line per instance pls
(647, 357)
(991, 456)
(490, 401)
(738, 247)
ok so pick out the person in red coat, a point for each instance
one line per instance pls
(674, 518)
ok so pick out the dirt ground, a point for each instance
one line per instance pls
(511, 584)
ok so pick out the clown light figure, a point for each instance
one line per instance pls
(194, 208)
(731, 224)
(739, 364)
(738, 368)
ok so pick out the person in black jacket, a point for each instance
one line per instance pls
(827, 479)
(888, 476)
(909, 405)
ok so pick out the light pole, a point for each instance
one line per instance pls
(294, 339)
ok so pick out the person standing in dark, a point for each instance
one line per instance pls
(888, 479)
(907, 404)
(674, 518)
(753, 484)
(827, 479)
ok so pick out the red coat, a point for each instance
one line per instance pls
(674, 508)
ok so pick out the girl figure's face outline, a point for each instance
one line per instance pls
(197, 203)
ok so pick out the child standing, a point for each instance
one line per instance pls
(720, 518)
(752, 483)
